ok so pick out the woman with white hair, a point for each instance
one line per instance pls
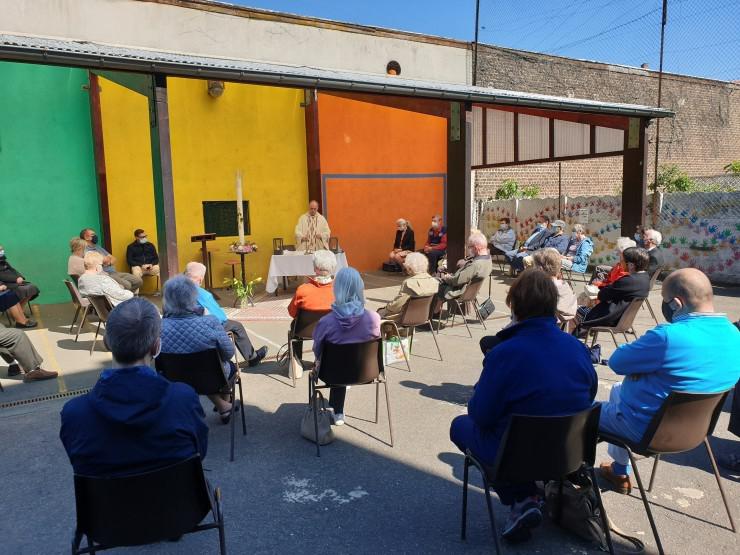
(652, 240)
(97, 282)
(348, 322)
(404, 242)
(578, 252)
(185, 329)
(606, 275)
(418, 284)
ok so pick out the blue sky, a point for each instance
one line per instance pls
(702, 36)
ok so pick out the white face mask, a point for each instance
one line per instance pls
(143, 240)
(435, 225)
(503, 227)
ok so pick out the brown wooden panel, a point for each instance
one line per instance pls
(458, 187)
(634, 184)
(313, 152)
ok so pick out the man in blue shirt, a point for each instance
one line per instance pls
(195, 271)
(133, 420)
(698, 351)
(128, 281)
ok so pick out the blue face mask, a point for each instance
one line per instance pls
(540, 226)
(94, 239)
(638, 238)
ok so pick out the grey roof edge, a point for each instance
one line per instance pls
(98, 56)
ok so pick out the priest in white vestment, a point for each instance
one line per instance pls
(312, 231)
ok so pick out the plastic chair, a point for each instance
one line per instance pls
(468, 299)
(82, 304)
(204, 372)
(145, 508)
(653, 280)
(539, 448)
(624, 326)
(301, 328)
(102, 308)
(349, 364)
(415, 313)
(683, 422)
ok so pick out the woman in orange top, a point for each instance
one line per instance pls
(606, 275)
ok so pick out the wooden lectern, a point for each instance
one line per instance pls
(203, 240)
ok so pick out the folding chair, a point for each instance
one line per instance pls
(349, 364)
(301, 329)
(204, 372)
(416, 313)
(82, 304)
(539, 448)
(468, 300)
(102, 307)
(569, 273)
(684, 421)
(145, 508)
(653, 280)
(624, 326)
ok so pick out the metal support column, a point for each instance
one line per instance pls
(458, 180)
(634, 177)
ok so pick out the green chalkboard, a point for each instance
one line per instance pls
(219, 217)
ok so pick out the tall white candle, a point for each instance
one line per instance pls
(239, 206)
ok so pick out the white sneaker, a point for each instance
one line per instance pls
(339, 419)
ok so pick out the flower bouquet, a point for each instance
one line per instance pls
(247, 247)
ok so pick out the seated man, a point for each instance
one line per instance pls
(403, 243)
(15, 281)
(16, 349)
(76, 260)
(476, 266)
(10, 303)
(436, 246)
(652, 240)
(535, 369)
(614, 299)
(698, 351)
(128, 281)
(133, 420)
(578, 252)
(503, 240)
(196, 272)
(96, 282)
(141, 256)
(316, 294)
(418, 284)
(534, 241)
(556, 240)
(606, 275)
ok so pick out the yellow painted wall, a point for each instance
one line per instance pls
(129, 169)
(258, 129)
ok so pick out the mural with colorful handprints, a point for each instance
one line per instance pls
(699, 229)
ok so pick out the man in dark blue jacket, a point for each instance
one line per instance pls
(537, 370)
(133, 420)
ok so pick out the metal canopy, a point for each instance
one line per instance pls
(99, 56)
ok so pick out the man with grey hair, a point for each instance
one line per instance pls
(196, 272)
(477, 265)
(18, 351)
(652, 240)
(418, 284)
(312, 230)
(556, 240)
(133, 420)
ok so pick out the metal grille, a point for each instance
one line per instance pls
(44, 398)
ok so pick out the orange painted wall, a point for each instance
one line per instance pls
(359, 138)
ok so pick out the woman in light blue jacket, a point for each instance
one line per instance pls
(579, 251)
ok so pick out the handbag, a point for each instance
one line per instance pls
(572, 504)
(486, 308)
(392, 351)
(308, 431)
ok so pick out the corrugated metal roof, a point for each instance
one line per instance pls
(100, 56)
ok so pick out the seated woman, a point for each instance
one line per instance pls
(418, 284)
(314, 295)
(578, 252)
(13, 280)
(535, 370)
(614, 299)
(76, 260)
(606, 275)
(97, 282)
(10, 303)
(404, 242)
(548, 260)
(185, 329)
(348, 322)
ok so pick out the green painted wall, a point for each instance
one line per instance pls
(48, 191)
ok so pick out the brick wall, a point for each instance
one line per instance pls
(703, 137)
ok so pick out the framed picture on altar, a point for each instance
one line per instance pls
(219, 217)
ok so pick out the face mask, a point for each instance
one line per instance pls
(2, 254)
(540, 226)
(504, 227)
(143, 240)
(637, 237)
(471, 252)
(159, 350)
(669, 310)
(94, 239)
(435, 225)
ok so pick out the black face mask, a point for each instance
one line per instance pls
(667, 311)
(94, 239)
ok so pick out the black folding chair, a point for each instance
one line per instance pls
(624, 326)
(535, 448)
(347, 364)
(416, 312)
(301, 329)
(203, 371)
(684, 421)
(102, 307)
(145, 508)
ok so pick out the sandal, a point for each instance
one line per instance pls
(226, 415)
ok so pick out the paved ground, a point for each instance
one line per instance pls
(361, 496)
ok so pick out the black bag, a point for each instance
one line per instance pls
(595, 354)
(487, 308)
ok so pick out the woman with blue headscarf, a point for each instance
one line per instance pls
(348, 322)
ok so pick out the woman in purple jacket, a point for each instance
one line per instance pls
(348, 322)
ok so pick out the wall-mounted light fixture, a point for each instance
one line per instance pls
(393, 68)
(216, 88)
